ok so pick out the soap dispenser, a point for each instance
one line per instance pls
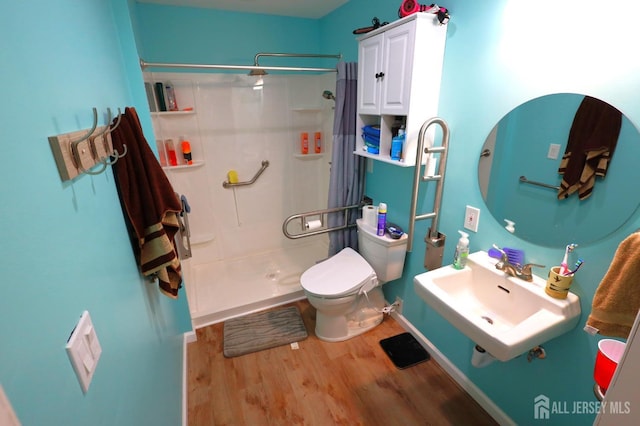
(462, 251)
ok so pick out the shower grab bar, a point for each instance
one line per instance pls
(434, 236)
(524, 179)
(322, 214)
(227, 184)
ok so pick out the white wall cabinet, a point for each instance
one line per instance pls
(399, 73)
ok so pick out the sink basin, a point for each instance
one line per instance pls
(505, 315)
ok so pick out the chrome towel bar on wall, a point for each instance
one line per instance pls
(524, 179)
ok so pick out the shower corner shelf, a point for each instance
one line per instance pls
(195, 165)
(308, 156)
(171, 113)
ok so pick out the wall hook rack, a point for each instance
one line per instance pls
(78, 152)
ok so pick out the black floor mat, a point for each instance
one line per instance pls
(404, 350)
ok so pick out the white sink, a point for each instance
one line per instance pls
(505, 315)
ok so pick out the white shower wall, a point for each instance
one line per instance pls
(236, 127)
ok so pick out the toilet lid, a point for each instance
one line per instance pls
(339, 275)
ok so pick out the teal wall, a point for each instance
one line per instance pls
(65, 246)
(499, 54)
(191, 35)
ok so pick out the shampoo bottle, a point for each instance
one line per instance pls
(396, 145)
(382, 219)
(317, 142)
(186, 152)
(304, 143)
(171, 152)
(462, 251)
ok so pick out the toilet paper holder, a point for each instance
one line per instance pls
(315, 222)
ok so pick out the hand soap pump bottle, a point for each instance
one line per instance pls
(462, 251)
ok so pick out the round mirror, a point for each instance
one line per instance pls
(519, 177)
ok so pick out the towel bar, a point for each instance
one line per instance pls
(524, 179)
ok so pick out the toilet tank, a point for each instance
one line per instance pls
(384, 254)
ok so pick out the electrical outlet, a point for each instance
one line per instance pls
(471, 218)
(398, 305)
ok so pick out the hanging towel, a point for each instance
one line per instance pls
(149, 203)
(592, 141)
(617, 298)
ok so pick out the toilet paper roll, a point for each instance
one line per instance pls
(312, 224)
(370, 216)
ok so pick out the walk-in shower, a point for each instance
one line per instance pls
(241, 260)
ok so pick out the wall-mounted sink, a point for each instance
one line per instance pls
(505, 315)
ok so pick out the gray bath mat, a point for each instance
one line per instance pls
(263, 330)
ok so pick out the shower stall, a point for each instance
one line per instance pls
(247, 127)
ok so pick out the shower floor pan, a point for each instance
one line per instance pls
(230, 288)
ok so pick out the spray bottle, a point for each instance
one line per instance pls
(382, 219)
(462, 251)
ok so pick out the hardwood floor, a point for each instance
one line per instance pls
(344, 383)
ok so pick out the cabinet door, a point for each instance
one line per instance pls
(399, 44)
(369, 69)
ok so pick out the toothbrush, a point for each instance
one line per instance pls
(575, 268)
(563, 266)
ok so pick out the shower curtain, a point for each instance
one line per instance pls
(346, 180)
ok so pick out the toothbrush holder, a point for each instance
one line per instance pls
(558, 285)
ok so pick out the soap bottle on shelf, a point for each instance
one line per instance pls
(171, 152)
(462, 251)
(186, 151)
(382, 219)
(162, 153)
(317, 142)
(304, 143)
(396, 144)
(170, 93)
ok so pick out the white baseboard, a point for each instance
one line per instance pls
(457, 375)
(187, 338)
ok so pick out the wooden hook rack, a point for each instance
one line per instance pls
(80, 151)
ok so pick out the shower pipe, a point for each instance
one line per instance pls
(256, 67)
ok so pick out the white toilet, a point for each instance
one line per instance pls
(346, 289)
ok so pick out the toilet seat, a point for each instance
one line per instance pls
(340, 275)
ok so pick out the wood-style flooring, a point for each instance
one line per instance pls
(343, 383)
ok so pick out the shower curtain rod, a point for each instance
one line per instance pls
(256, 66)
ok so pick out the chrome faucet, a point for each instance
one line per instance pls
(523, 272)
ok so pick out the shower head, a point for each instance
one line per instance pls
(258, 72)
(328, 95)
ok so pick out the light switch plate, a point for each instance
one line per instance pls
(84, 350)
(471, 218)
(554, 151)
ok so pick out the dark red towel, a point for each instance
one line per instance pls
(150, 204)
(592, 140)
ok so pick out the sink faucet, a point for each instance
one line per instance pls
(523, 272)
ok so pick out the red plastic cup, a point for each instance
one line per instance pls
(609, 354)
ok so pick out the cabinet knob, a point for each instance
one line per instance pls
(379, 75)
